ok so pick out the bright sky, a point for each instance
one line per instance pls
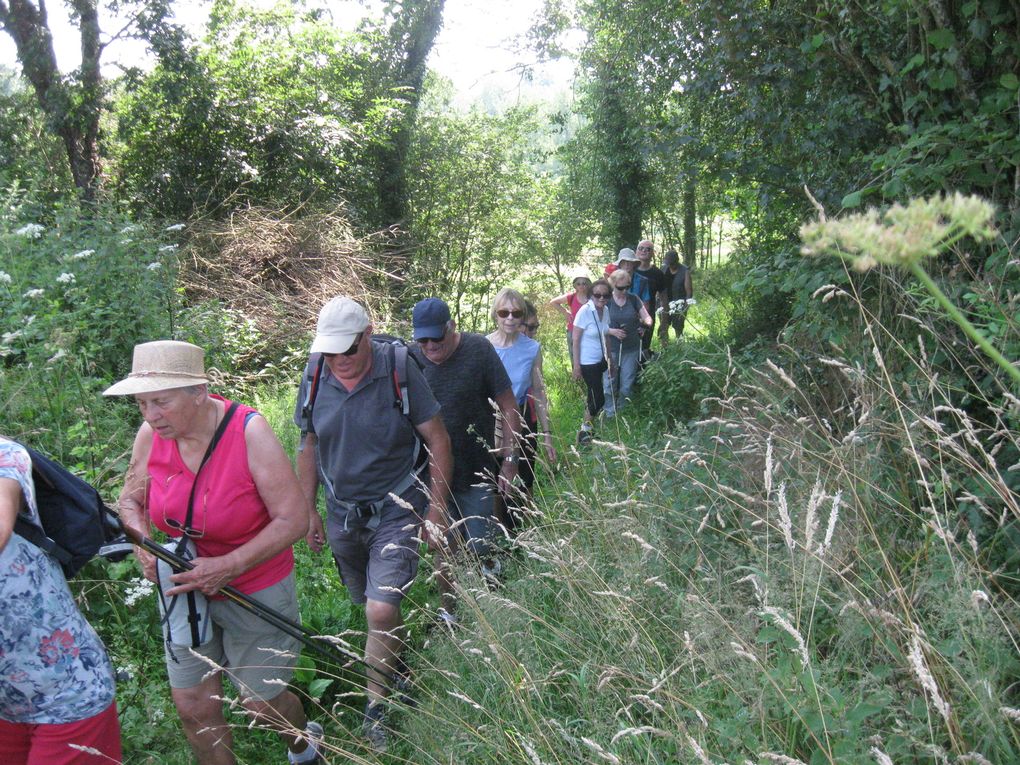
(477, 48)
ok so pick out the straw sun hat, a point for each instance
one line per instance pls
(162, 365)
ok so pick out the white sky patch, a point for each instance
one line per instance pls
(480, 46)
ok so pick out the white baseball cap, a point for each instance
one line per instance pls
(341, 320)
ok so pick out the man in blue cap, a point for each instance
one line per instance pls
(470, 382)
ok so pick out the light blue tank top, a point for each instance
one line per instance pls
(518, 360)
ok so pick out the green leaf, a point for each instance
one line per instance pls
(317, 687)
(862, 711)
(1009, 81)
(852, 199)
(942, 39)
(916, 60)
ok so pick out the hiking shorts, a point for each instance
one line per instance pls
(254, 654)
(378, 564)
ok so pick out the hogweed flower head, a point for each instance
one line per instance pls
(903, 234)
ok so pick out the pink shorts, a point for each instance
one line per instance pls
(49, 744)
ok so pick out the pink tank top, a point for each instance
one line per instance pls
(228, 510)
(575, 306)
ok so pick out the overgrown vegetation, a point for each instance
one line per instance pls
(800, 545)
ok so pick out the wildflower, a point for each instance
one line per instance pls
(30, 231)
(10, 337)
(56, 356)
(175, 227)
(811, 521)
(880, 757)
(168, 248)
(5, 278)
(129, 228)
(83, 254)
(698, 751)
(595, 747)
(65, 278)
(781, 374)
(977, 597)
(32, 294)
(902, 235)
(137, 590)
(154, 266)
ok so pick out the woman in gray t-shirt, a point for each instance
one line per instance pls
(628, 318)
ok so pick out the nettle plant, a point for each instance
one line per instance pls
(83, 288)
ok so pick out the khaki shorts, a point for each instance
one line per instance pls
(250, 650)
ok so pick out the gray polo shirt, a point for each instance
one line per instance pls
(365, 443)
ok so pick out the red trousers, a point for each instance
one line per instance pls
(30, 744)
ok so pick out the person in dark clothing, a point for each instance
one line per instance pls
(656, 282)
(677, 285)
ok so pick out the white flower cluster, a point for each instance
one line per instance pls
(175, 227)
(83, 254)
(65, 278)
(154, 266)
(32, 294)
(681, 305)
(5, 278)
(30, 231)
(138, 589)
(168, 248)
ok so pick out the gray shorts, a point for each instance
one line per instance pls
(253, 653)
(380, 563)
(474, 508)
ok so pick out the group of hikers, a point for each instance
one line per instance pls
(430, 442)
(610, 324)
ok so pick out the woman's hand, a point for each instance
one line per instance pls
(209, 575)
(148, 563)
(550, 450)
(618, 333)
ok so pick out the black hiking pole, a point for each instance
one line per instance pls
(317, 643)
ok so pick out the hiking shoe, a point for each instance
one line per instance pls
(313, 735)
(584, 437)
(491, 570)
(402, 684)
(373, 728)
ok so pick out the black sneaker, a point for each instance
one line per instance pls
(402, 684)
(584, 436)
(373, 728)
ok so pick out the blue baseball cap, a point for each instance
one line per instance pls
(429, 318)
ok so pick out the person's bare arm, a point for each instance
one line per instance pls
(510, 416)
(437, 441)
(562, 303)
(541, 396)
(576, 343)
(308, 479)
(10, 504)
(281, 494)
(131, 505)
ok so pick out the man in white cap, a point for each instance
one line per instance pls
(364, 437)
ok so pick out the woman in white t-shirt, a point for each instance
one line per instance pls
(591, 359)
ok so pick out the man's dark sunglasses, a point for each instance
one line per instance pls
(354, 346)
(603, 295)
(424, 340)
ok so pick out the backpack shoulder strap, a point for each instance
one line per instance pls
(311, 391)
(399, 358)
(35, 535)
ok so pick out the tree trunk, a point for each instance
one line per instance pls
(74, 116)
(690, 219)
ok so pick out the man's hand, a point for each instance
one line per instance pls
(577, 370)
(316, 536)
(507, 475)
(436, 526)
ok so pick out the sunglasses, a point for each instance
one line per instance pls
(176, 525)
(600, 295)
(644, 249)
(435, 340)
(621, 286)
(354, 346)
(504, 312)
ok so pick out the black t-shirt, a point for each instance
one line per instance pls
(464, 384)
(656, 280)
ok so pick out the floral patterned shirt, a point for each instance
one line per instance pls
(53, 667)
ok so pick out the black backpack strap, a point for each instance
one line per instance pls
(220, 429)
(311, 391)
(398, 358)
(29, 531)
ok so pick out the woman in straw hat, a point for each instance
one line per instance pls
(237, 498)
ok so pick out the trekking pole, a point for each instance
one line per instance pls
(298, 631)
